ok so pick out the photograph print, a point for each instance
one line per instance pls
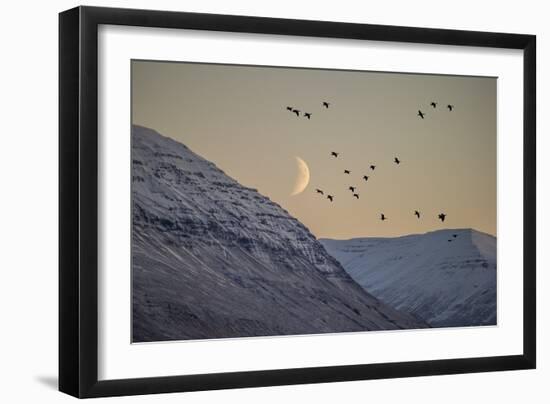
(271, 201)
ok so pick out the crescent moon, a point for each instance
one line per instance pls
(302, 179)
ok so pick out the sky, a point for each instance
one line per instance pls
(236, 117)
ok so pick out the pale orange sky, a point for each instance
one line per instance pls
(235, 116)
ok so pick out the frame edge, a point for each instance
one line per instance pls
(529, 201)
(69, 79)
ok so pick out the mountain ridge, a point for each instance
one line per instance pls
(409, 235)
(446, 277)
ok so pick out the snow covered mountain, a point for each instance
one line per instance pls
(446, 277)
(214, 259)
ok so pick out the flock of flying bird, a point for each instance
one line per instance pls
(325, 104)
(433, 104)
(305, 114)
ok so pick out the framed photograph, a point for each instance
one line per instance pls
(251, 201)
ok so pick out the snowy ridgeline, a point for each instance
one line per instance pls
(214, 259)
(446, 283)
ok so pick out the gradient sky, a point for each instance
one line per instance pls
(235, 116)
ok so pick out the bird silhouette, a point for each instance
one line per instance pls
(307, 115)
(454, 235)
(449, 240)
(334, 154)
(330, 197)
(396, 160)
(442, 216)
(319, 191)
(289, 109)
(366, 177)
(382, 217)
(356, 195)
(352, 189)
(347, 172)
(450, 107)
(433, 104)
(326, 104)
(296, 111)
(372, 167)
(417, 213)
(421, 114)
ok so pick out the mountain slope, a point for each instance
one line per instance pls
(212, 258)
(446, 283)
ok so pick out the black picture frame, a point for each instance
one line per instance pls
(78, 201)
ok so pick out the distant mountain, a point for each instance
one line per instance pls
(446, 283)
(214, 259)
